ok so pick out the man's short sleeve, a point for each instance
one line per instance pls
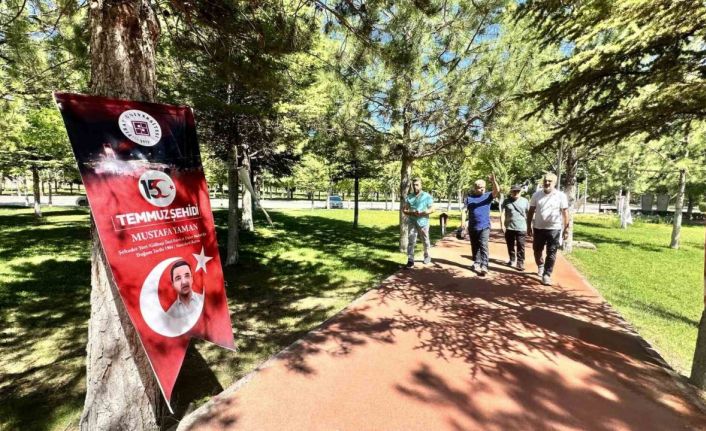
(429, 200)
(533, 200)
(488, 198)
(564, 201)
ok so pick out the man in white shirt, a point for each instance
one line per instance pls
(188, 303)
(548, 215)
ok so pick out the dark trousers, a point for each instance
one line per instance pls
(479, 245)
(516, 238)
(550, 239)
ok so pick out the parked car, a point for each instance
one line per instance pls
(82, 201)
(335, 201)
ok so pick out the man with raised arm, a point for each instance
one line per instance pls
(478, 207)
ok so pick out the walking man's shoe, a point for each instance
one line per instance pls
(546, 280)
(427, 260)
(520, 266)
(510, 263)
(475, 267)
(483, 271)
(540, 270)
(410, 264)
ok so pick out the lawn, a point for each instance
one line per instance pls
(291, 277)
(657, 289)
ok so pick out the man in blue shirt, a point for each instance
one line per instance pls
(418, 206)
(478, 207)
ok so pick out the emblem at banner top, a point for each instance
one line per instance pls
(140, 127)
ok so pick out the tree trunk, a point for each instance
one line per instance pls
(571, 186)
(600, 201)
(698, 367)
(233, 195)
(392, 199)
(560, 156)
(37, 194)
(585, 193)
(329, 192)
(50, 193)
(690, 208)
(619, 203)
(25, 190)
(625, 213)
(676, 224)
(246, 221)
(405, 178)
(356, 197)
(121, 390)
(461, 208)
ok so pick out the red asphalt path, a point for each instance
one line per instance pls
(439, 348)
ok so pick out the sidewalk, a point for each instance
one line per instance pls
(438, 348)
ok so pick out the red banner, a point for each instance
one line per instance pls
(142, 171)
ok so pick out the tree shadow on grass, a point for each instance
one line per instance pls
(44, 236)
(654, 308)
(599, 239)
(46, 313)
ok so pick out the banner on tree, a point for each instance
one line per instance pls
(142, 171)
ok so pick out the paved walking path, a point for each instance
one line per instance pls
(438, 348)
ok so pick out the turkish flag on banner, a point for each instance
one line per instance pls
(141, 167)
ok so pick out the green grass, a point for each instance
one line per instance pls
(291, 277)
(657, 289)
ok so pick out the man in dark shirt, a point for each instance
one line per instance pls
(478, 207)
(513, 221)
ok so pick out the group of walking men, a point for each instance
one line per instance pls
(545, 217)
